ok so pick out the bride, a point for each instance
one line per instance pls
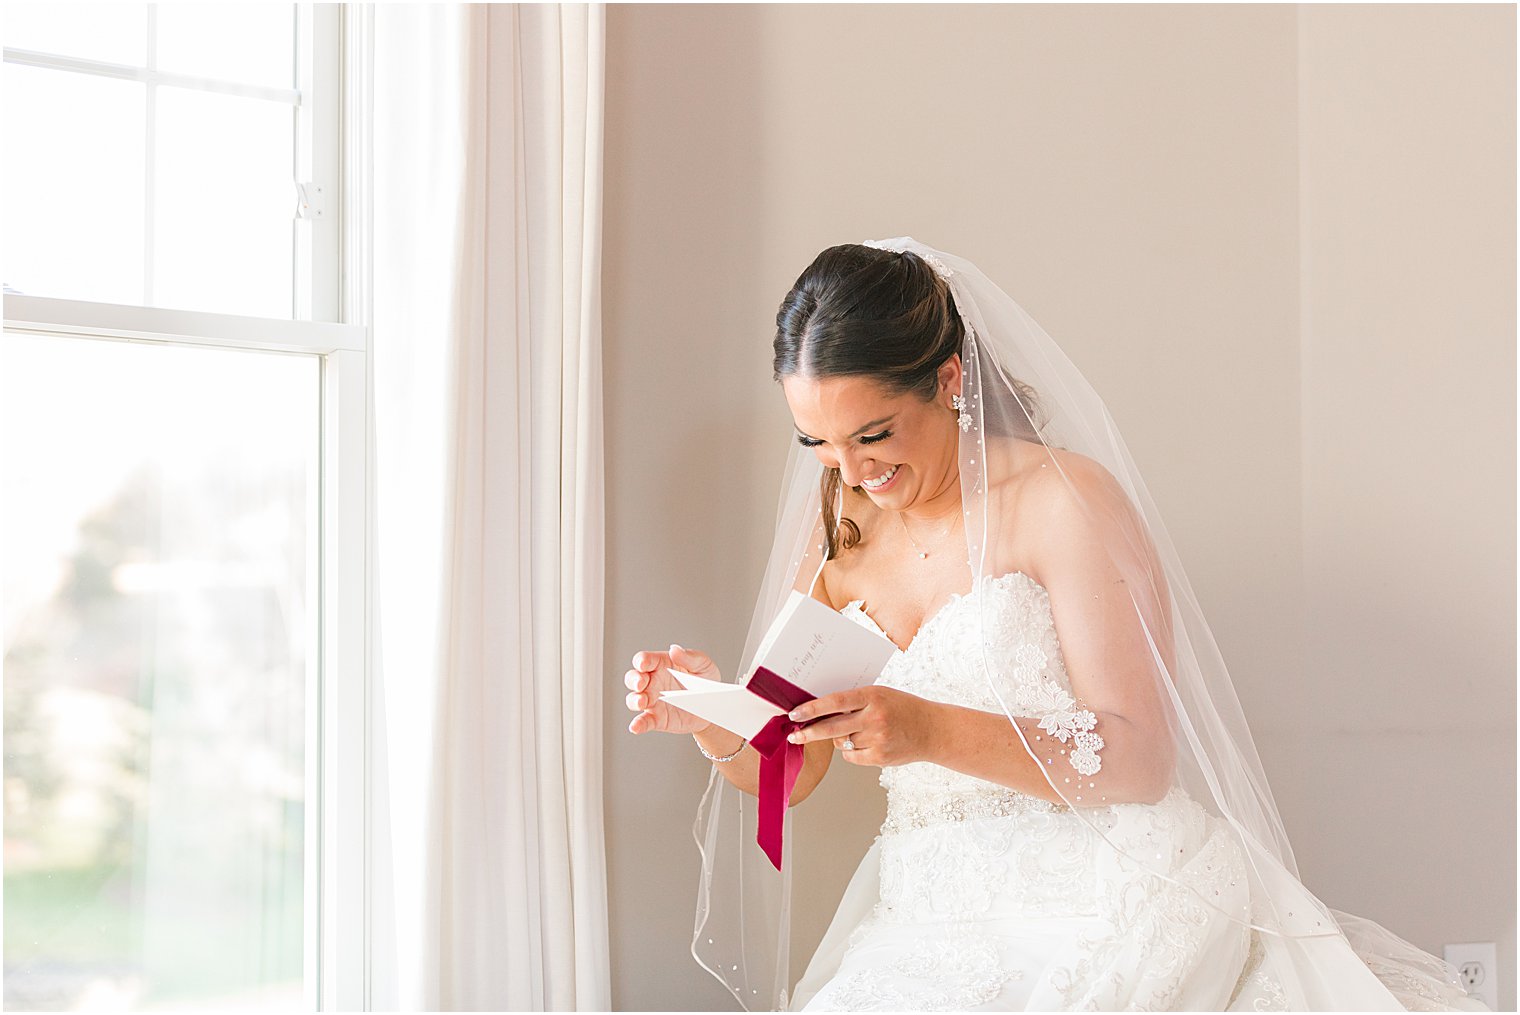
(1076, 815)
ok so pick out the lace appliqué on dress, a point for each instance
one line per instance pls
(1256, 984)
(946, 873)
(953, 844)
(1067, 722)
(956, 849)
(951, 973)
(1158, 926)
(944, 663)
(951, 841)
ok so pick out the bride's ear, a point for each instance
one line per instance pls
(950, 376)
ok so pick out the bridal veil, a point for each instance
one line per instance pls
(1151, 648)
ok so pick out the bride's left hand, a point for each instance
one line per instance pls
(887, 726)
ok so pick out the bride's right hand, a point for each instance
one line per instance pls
(651, 675)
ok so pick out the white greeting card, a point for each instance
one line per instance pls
(810, 645)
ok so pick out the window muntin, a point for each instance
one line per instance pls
(129, 153)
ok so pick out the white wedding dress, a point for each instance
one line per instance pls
(976, 897)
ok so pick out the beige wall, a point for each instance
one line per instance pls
(1278, 241)
(1407, 218)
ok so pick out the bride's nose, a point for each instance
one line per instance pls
(852, 468)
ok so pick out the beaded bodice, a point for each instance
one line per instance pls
(944, 662)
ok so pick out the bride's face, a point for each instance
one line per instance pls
(899, 449)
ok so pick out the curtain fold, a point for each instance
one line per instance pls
(487, 212)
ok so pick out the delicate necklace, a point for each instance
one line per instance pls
(922, 553)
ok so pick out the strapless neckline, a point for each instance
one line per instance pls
(858, 607)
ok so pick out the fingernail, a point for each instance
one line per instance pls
(794, 714)
(795, 738)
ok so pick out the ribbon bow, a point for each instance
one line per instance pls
(780, 759)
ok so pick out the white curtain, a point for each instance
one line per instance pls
(490, 875)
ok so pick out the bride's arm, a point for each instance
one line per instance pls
(984, 744)
(744, 770)
(1112, 744)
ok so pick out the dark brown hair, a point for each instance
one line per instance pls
(882, 314)
(858, 310)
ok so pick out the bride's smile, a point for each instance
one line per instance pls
(898, 448)
(881, 482)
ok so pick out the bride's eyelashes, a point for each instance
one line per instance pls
(875, 438)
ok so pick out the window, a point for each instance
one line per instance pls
(182, 483)
(169, 155)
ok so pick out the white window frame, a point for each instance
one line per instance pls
(316, 257)
(340, 702)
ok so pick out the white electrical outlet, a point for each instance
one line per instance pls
(1478, 966)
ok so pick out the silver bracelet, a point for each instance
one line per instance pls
(714, 757)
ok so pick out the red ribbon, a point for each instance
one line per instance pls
(780, 759)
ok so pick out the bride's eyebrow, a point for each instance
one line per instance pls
(871, 425)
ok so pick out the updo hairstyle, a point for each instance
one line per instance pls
(860, 311)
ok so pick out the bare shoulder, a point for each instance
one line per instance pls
(1068, 479)
(1075, 505)
(1035, 479)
